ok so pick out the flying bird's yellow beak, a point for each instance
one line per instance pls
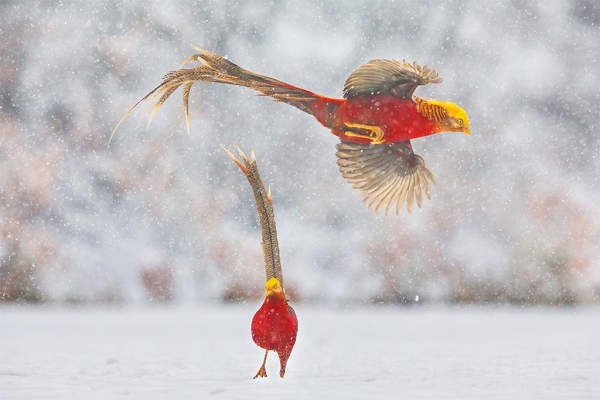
(467, 131)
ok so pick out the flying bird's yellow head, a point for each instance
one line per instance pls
(458, 119)
(449, 116)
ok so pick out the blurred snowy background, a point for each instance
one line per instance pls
(161, 216)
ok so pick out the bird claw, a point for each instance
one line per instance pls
(262, 373)
(376, 134)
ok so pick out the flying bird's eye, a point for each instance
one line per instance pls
(460, 121)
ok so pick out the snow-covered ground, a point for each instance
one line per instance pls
(341, 353)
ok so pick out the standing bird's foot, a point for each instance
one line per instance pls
(262, 372)
(375, 133)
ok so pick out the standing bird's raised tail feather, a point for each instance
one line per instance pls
(264, 207)
(377, 109)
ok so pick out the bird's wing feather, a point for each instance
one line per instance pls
(400, 79)
(386, 175)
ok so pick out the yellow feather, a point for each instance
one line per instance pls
(453, 110)
(457, 119)
(273, 285)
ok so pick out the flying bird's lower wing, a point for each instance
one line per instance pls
(387, 175)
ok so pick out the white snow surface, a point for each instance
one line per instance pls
(341, 353)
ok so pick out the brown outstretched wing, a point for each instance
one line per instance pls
(400, 79)
(387, 175)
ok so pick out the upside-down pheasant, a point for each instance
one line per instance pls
(275, 325)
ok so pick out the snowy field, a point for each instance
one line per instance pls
(341, 353)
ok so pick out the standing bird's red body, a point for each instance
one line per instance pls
(275, 325)
(375, 120)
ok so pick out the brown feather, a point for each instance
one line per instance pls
(400, 79)
(217, 69)
(264, 206)
(386, 175)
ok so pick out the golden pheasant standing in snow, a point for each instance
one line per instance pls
(375, 120)
(275, 325)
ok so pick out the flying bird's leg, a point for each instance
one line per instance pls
(375, 133)
(262, 372)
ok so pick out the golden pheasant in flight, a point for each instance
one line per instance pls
(375, 120)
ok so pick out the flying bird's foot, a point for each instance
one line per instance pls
(262, 372)
(375, 135)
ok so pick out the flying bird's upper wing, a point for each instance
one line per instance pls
(400, 79)
(385, 174)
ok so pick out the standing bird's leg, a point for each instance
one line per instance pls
(262, 372)
(375, 134)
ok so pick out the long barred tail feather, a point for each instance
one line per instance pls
(264, 206)
(215, 68)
